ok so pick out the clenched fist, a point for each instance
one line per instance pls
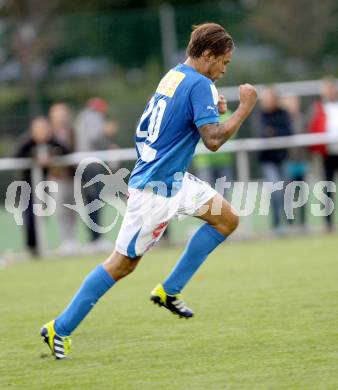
(222, 105)
(247, 96)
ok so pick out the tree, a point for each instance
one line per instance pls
(30, 42)
(299, 26)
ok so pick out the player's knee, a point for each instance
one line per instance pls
(233, 223)
(119, 266)
(127, 269)
(229, 225)
(130, 267)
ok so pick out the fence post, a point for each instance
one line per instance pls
(37, 177)
(168, 35)
(243, 167)
(243, 174)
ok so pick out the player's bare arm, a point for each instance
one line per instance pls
(216, 134)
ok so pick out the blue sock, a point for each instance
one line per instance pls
(93, 287)
(203, 242)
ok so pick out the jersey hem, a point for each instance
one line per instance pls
(205, 121)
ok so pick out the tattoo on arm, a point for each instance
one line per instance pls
(212, 135)
(215, 135)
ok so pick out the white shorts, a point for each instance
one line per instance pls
(148, 214)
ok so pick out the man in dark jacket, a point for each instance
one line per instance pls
(273, 121)
(39, 144)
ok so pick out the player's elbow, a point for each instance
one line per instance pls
(212, 145)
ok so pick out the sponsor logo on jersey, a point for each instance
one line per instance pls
(170, 82)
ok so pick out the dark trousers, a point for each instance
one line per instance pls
(92, 193)
(29, 224)
(273, 172)
(302, 209)
(330, 167)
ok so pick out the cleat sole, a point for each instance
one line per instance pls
(44, 335)
(157, 301)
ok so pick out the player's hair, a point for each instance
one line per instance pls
(209, 36)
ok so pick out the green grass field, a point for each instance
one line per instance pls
(266, 318)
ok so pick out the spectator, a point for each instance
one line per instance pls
(324, 119)
(89, 130)
(297, 166)
(39, 144)
(60, 119)
(273, 121)
(89, 124)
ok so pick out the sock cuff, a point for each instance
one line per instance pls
(109, 281)
(214, 233)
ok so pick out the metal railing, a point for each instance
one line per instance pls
(299, 88)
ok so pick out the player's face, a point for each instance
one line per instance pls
(217, 66)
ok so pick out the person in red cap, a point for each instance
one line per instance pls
(89, 129)
(98, 104)
(89, 124)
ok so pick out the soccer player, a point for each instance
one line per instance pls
(183, 109)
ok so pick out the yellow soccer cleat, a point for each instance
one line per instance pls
(59, 345)
(174, 303)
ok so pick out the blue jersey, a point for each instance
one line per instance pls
(167, 133)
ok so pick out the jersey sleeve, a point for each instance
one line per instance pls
(204, 99)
